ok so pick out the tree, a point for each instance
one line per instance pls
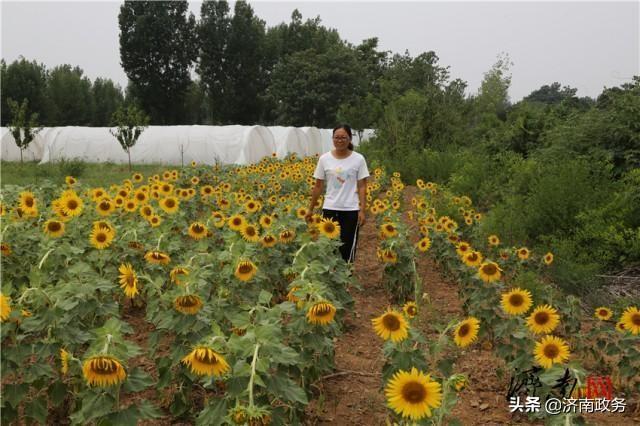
(130, 122)
(23, 79)
(107, 97)
(157, 49)
(360, 114)
(23, 126)
(551, 94)
(307, 88)
(70, 94)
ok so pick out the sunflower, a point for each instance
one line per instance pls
(5, 307)
(388, 230)
(27, 202)
(146, 211)
(251, 206)
(130, 205)
(104, 224)
(620, 327)
(329, 228)
(472, 259)
(176, 274)
(489, 272)
(197, 230)
(101, 238)
(250, 233)
(523, 253)
(169, 204)
(391, 325)
(154, 220)
(493, 240)
(321, 313)
(424, 244)
(603, 313)
(301, 212)
(195, 180)
(410, 309)
(71, 204)
(548, 258)
(188, 305)
(204, 361)
(463, 248)
(466, 332)
(287, 236)
(128, 280)
(137, 177)
(543, 320)
(551, 350)
(631, 320)
(236, 222)
(245, 270)
(103, 370)
(54, 228)
(218, 219)
(516, 301)
(413, 394)
(157, 258)
(266, 221)
(5, 249)
(64, 361)
(105, 207)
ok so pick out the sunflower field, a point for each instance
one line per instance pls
(203, 295)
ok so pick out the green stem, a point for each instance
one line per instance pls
(106, 344)
(45, 258)
(159, 239)
(253, 374)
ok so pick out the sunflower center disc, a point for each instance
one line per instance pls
(635, 319)
(542, 318)
(551, 351)
(464, 330)
(414, 392)
(489, 269)
(516, 300)
(391, 322)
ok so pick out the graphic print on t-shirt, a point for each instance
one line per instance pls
(341, 178)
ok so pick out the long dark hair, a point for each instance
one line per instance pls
(347, 129)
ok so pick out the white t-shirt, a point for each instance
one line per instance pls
(341, 178)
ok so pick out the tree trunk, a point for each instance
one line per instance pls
(21, 162)
(129, 154)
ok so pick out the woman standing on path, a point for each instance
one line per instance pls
(345, 173)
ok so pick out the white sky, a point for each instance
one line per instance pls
(586, 45)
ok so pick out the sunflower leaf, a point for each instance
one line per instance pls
(286, 389)
(137, 380)
(213, 414)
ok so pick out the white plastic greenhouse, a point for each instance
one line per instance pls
(174, 144)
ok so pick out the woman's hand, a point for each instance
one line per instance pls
(308, 216)
(361, 218)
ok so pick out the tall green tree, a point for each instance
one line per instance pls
(24, 79)
(70, 94)
(107, 97)
(157, 49)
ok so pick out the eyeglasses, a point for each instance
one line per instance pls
(340, 138)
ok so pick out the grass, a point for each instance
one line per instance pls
(93, 174)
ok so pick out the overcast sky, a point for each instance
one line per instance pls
(586, 45)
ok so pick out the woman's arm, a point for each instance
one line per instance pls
(315, 194)
(362, 196)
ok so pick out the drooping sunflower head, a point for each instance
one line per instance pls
(543, 320)
(287, 236)
(466, 332)
(197, 230)
(489, 272)
(128, 280)
(551, 350)
(268, 241)
(177, 274)
(413, 394)
(473, 259)
(157, 257)
(388, 230)
(329, 228)
(103, 371)
(603, 313)
(189, 304)
(54, 228)
(516, 301)
(204, 361)
(245, 270)
(410, 309)
(631, 320)
(321, 313)
(250, 233)
(388, 256)
(391, 325)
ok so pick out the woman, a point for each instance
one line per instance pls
(345, 173)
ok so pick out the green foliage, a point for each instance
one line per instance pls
(70, 94)
(107, 97)
(24, 80)
(130, 122)
(71, 167)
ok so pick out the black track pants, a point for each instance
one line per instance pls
(349, 230)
